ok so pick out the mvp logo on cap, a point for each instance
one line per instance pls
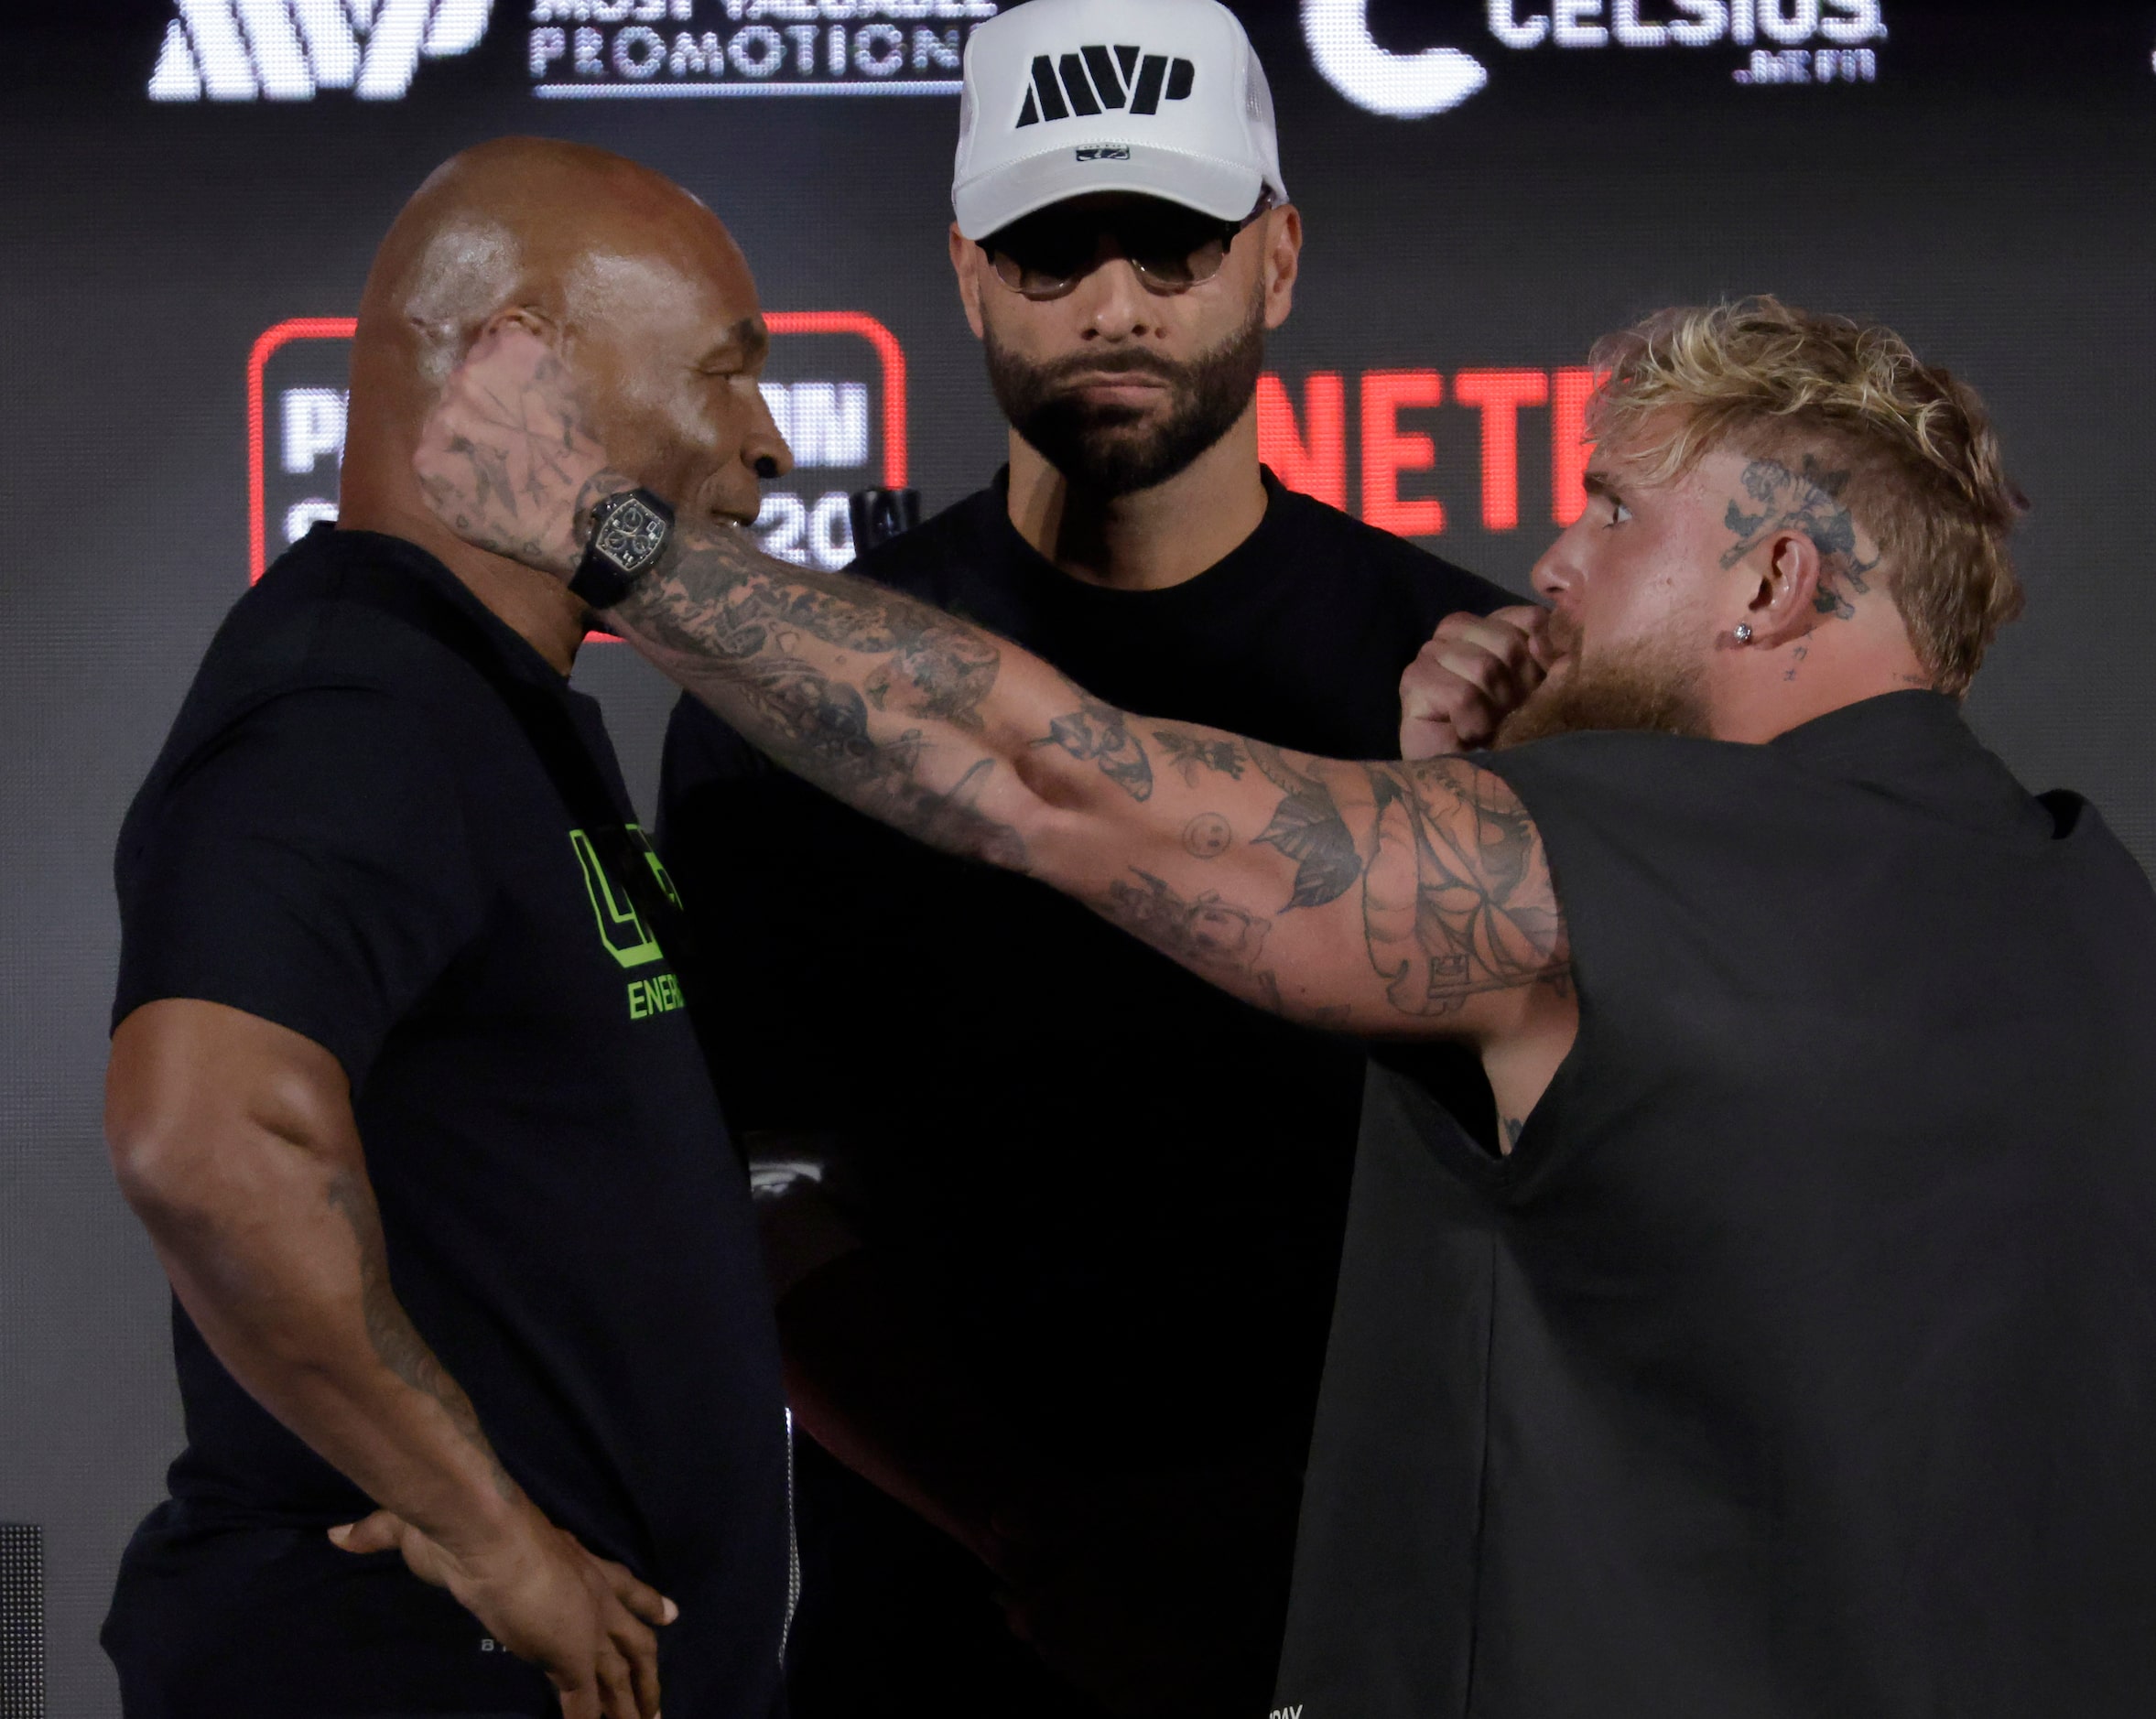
(1148, 98)
(1092, 81)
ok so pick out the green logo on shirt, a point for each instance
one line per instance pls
(628, 939)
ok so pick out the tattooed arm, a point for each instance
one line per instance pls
(1379, 898)
(235, 1141)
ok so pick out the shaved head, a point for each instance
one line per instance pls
(634, 281)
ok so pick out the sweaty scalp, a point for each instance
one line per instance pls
(561, 231)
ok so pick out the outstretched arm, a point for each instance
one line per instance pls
(1377, 898)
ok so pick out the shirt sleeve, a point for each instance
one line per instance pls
(310, 865)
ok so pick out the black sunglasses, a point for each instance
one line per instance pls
(1172, 249)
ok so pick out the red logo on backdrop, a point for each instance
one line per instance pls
(841, 410)
(1307, 446)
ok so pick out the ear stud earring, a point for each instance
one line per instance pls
(1743, 633)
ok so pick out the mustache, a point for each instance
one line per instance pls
(1561, 632)
(1125, 364)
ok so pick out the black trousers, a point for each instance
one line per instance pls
(275, 1623)
(894, 1619)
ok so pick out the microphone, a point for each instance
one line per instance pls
(879, 515)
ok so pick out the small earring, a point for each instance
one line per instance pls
(1743, 633)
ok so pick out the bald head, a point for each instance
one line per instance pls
(634, 281)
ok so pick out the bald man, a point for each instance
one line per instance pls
(403, 1084)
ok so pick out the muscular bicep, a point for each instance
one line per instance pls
(209, 1108)
(235, 1142)
(234, 1139)
(1381, 899)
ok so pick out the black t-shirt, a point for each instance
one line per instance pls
(348, 834)
(1126, 1188)
(1802, 1358)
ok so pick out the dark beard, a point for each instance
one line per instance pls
(1113, 450)
(1642, 687)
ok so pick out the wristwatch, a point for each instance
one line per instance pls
(629, 532)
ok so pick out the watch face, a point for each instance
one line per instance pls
(631, 535)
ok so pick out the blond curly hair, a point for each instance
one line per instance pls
(1776, 383)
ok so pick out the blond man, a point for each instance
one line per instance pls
(1798, 1355)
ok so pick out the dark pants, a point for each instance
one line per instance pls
(896, 1619)
(275, 1623)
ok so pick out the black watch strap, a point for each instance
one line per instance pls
(628, 533)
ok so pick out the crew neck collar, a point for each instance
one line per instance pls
(1251, 560)
(1915, 718)
(1914, 743)
(519, 652)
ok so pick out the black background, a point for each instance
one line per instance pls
(1989, 195)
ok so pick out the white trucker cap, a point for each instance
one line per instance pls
(1163, 98)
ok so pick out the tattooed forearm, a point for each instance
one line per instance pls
(1207, 836)
(1808, 501)
(853, 687)
(1438, 863)
(721, 596)
(1213, 935)
(1453, 889)
(744, 632)
(1192, 754)
(397, 1344)
(1099, 732)
(1309, 828)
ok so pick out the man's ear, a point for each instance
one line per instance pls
(1283, 228)
(963, 253)
(1784, 605)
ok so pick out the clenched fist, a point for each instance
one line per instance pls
(1474, 672)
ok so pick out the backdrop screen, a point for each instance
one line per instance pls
(193, 189)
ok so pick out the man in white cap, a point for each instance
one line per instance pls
(1065, 1343)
